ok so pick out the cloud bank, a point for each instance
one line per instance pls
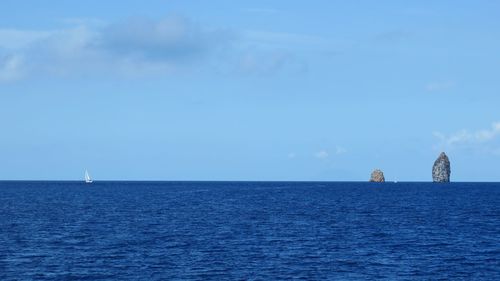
(132, 46)
(139, 47)
(170, 39)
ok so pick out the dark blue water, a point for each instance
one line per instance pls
(249, 231)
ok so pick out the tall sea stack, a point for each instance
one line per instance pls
(441, 169)
(377, 176)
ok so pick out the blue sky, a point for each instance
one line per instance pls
(249, 90)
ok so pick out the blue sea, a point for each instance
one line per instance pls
(249, 231)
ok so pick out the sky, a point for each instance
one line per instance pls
(249, 90)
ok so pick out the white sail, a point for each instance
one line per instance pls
(87, 177)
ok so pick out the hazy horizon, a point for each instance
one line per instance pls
(256, 91)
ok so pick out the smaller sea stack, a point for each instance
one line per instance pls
(441, 170)
(377, 176)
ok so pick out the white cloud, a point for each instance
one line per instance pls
(439, 86)
(264, 63)
(70, 43)
(323, 154)
(11, 68)
(467, 137)
(340, 150)
(170, 38)
(13, 39)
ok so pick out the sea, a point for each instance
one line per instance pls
(249, 231)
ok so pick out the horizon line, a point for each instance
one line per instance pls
(264, 181)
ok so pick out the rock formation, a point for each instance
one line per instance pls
(441, 169)
(377, 176)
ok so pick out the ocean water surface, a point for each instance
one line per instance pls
(249, 231)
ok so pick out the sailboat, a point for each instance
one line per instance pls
(87, 177)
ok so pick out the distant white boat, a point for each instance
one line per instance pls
(87, 177)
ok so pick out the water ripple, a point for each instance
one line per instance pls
(249, 231)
